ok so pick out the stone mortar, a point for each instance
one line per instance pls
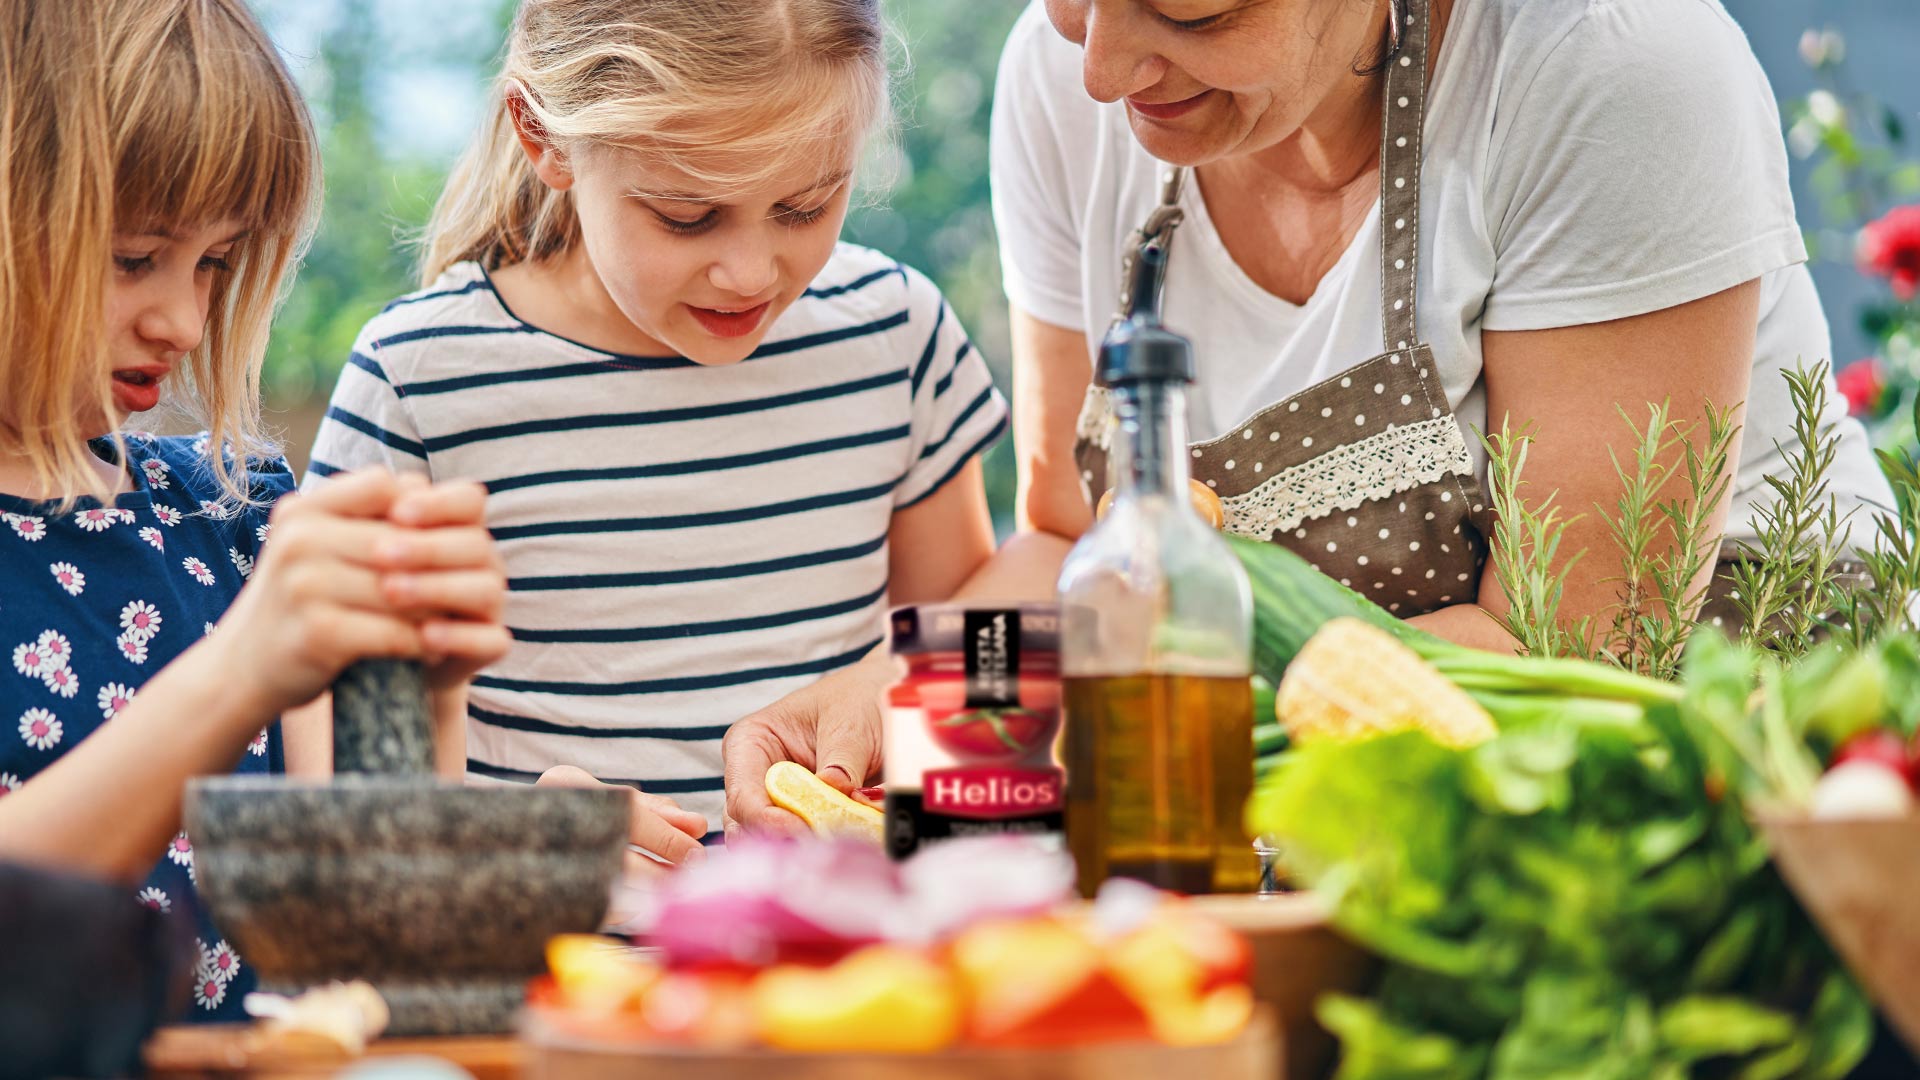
(441, 896)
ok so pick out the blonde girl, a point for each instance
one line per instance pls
(157, 174)
(717, 441)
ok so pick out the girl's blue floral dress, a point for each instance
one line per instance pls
(97, 599)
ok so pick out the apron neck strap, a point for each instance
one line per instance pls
(1403, 115)
(1157, 229)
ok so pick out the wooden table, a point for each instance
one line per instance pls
(223, 1051)
(1296, 956)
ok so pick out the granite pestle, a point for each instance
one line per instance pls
(381, 719)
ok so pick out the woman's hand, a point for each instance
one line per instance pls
(831, 727)
(1470, 625)
(657, 823)
(340, 581)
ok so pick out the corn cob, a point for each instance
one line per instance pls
(1352, 680)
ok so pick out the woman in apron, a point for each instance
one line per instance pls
(1398, 223)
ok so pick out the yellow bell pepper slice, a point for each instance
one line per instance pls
(882, 999)
(598, 976)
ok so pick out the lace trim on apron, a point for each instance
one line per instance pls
(1349, 476)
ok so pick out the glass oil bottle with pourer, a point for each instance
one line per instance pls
(1157, 647)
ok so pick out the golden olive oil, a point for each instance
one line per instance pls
(1159, 768)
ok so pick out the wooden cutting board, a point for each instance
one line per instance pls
(236, 1050)
(554, 1055)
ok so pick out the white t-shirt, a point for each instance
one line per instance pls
(684, 545)
(1583, 161)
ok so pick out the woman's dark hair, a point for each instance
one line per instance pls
(1395, 40)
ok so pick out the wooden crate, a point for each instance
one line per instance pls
(1858, 880)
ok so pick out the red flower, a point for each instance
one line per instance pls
(1890, 248)
(1865, 386)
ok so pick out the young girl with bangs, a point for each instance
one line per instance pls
(717, 441)
(157, 175)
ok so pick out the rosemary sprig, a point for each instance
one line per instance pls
(1893, 562)
(1783, 584)
(1526, 541)
(1680, 573)
(1635, 529)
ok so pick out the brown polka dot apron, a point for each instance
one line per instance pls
(1367, 474)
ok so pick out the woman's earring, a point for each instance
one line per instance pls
(1396, 26)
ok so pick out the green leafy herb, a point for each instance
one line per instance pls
(1680, 571)
(1568, 900)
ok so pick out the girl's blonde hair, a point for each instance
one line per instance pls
(138, 116)
(732, 92)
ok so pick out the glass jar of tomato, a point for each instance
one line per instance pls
(972, 724)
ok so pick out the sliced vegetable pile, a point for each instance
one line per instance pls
(822, 947)
(1575, 890)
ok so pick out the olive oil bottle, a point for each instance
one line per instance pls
(1156, 651)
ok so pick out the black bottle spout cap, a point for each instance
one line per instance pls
(1141, 350)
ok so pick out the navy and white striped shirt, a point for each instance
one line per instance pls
(684, 544)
